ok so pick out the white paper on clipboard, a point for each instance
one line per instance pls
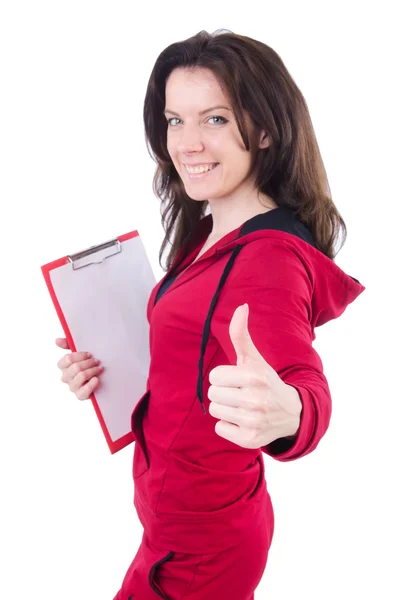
(102, 294)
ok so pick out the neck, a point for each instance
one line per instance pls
(227, 217)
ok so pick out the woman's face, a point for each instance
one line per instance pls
(209, 137)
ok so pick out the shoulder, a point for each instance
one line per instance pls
(277, 257)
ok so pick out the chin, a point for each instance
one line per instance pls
(197, 199)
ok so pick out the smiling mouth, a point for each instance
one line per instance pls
(199, 174)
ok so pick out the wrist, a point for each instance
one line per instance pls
(296, 410)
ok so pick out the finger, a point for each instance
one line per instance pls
(228, 395)
(79, 366)
(62, 343)
(243, 398)
(85, 392)
(81, 378)
(72, 357)
(236, 416)
(238, 377)
(69, 373)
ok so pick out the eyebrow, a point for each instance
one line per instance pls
(171, 112)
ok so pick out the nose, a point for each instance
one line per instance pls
(189, 140)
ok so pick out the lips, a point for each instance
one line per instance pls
(212, 165)
(200, 164)
(201, 176)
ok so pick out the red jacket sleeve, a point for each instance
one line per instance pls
(277, 283)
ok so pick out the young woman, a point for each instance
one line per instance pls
(229, 130)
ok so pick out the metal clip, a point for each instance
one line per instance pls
(102, 251)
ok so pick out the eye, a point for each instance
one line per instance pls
(219, 117)
(223, 120)
(172, 118)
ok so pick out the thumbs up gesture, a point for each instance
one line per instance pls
(254, 406)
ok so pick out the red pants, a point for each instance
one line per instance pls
(232, 574)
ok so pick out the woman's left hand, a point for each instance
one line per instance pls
(254, 405)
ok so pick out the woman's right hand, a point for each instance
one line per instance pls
(79, 371)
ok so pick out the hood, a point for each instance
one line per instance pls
(333, 289)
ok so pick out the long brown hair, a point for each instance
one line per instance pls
(290, 171)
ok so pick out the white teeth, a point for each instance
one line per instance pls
(201, 169)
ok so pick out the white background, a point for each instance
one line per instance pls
(75, 172)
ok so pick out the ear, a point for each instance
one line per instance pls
(264, 140)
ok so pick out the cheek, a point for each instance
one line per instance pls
(172, 153)
(170, 145)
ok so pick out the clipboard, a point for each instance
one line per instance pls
(100, 295)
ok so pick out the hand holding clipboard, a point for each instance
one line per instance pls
(100, 295)
(80, 370)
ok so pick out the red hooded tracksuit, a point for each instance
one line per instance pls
(202, 500)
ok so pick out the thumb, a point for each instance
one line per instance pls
(245, 348)
(62, 343)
